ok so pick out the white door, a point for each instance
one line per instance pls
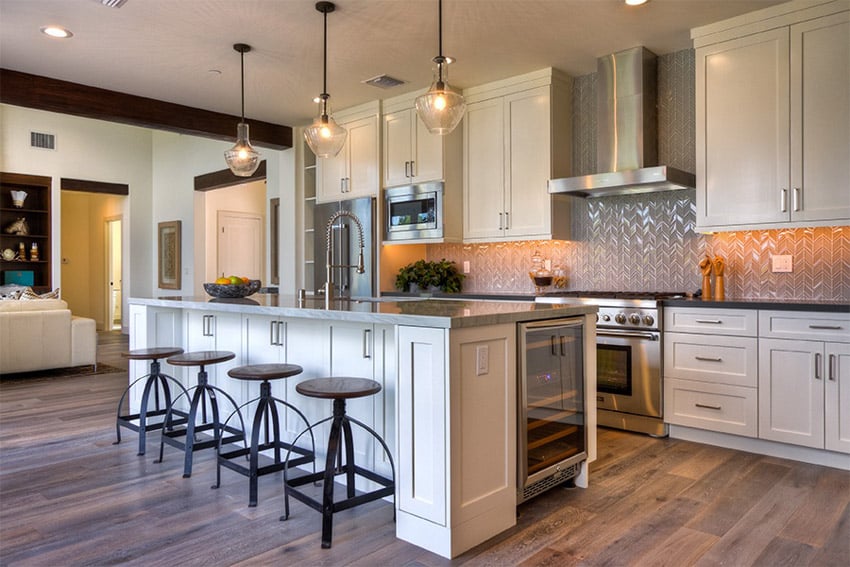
(240, 245)
(113, 317)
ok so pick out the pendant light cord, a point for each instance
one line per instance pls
(242, 65)
(325, 57)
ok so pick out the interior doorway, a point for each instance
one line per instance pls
(114, 310)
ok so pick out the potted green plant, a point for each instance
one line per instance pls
(430, 276)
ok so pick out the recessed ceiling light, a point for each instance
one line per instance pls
(636, 2)
(56, 31)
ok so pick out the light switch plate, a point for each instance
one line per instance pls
(482, 360)
(781, 263)
(466, 266)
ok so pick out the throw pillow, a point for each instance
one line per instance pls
(29, 294)
(11, 291)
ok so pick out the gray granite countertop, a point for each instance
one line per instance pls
(426, 312)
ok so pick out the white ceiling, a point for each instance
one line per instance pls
(169, 49)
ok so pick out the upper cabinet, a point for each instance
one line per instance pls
(773, 108)
(517, 136)
(411, 153)
(355, 170)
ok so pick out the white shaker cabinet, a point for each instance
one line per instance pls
(773, 108)
(355, 170)
(804, 378)
(207, 330)
(516, 137)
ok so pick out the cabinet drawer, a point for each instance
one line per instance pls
(716, 407)
(740, 322)
(707, 358)
(805, 325)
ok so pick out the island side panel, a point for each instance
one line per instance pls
(152, 327)
(483, 394)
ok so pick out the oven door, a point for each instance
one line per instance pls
(628, 371)
(414, 212)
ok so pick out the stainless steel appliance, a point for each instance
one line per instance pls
(414, 212)
(628, 358)
(552, 432)
(345, 249)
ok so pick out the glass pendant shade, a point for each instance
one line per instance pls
(441, 108)
(242, 159)
(325, 137)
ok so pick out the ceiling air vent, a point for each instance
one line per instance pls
(112, 3)
(43, 140)
(384, 82)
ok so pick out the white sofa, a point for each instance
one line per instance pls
(41, 333)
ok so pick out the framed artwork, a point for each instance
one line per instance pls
(169, 255)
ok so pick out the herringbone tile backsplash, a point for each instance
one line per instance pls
(646, 242)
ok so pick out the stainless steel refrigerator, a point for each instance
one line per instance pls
(346, 247)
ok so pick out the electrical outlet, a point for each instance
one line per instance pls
(466, 266)
(482, 360)
(781, 263)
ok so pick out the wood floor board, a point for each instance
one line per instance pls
(69, 497)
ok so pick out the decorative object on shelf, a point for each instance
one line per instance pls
(34, 252)
(429, 276)
(19, 226)
(719, 264)
(705, 266)
(441, 108)
(559, 276)
(232, 290)
(8, 254)
(325, 137)
(22, 252)
(540, 275)
(18, 198)
(169, 255)
(242, 159)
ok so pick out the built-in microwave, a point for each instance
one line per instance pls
(414, 212)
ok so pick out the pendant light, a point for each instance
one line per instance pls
(441, 108)
(325, 137)
(242, 159)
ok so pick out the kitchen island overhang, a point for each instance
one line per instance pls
(452, 427)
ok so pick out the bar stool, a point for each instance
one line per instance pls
(189, 442)
(338, 389)
(155, 379)
(266, 408)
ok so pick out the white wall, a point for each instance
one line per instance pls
(159, 168)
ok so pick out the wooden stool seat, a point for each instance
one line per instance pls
(156, 385)
(340, 443)
(200, 358)
(266, 417)
(155, 353)
(203, 394)
(261, 372)
(338, 388)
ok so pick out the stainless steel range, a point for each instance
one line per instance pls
(628, 357)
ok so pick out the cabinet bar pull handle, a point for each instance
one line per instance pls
(710, 321)
(826, 327)
(783, 201)
(833, 372)
(552, 339)
(709, 358)
(818, 363)
(563, 345)
(501, 223)
(796, 199)
(272, 331)
(367, 352)
(507, 221)
(413, 169)
(407, 169)
(705, 406)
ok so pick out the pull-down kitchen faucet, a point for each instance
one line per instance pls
(329, 265)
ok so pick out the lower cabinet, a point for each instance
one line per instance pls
(215, 331)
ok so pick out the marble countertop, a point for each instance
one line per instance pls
(426, 312)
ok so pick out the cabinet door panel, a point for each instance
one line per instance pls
(526, 192)
(484, 159)
(428, 157)
(743, 115)
(820, 118)
(363, 158)
(330, 172)
(838, 397)
(397, 148)
(791, 392)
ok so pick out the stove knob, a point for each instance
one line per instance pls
(649, 320)
(620, 318)
(634, 319)
(606, 317)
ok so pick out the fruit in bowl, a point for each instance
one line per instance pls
(232, 286)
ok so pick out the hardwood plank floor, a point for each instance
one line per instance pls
(70, 497)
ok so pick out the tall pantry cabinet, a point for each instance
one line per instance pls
(773, 108)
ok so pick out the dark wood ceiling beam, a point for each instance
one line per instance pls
(44, 93)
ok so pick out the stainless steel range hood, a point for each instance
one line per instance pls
(627, 132)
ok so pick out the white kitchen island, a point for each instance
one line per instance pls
(448, 405)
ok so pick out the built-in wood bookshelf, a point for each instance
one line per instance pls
(36, 213)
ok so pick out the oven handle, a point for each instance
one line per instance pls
(628, 334)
